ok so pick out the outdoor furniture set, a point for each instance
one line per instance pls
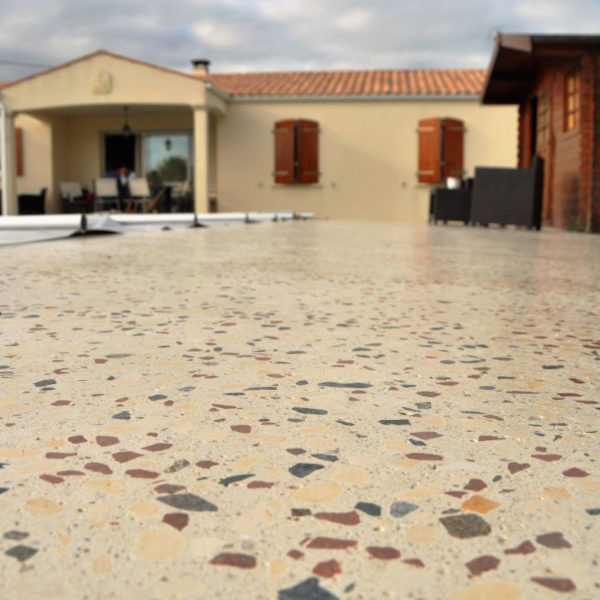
(495, 195)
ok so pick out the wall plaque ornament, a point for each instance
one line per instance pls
(102, 83)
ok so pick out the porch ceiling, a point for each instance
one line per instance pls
(113, 110)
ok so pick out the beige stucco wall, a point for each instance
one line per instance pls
(84, 140)
(368, 155)
(70, 148)
(64, 112)
(129, 82)
(37, 155)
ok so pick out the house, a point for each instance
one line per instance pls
(344, 144)
(555, 81)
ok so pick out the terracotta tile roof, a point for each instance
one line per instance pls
(434, 82)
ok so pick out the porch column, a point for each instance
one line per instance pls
(201, 132)
(9, 168)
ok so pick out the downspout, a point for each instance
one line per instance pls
(3, 160)
(589, 221)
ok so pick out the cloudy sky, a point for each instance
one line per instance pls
(267, 35)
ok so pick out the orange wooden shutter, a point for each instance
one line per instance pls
(430, 151)
(308, 151)
(453, 148)
(284, 151)
(19, 150)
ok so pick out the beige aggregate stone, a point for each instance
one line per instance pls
(324, 491)
(489, 590)
(43, 507)
(159, 545)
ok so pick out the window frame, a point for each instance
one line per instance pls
(543, 124)
(572, 101)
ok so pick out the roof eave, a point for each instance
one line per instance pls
(356, 98)
(505, 43)
(100, 52)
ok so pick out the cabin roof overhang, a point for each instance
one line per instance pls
(517, 58)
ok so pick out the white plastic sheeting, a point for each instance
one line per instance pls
(34, 228)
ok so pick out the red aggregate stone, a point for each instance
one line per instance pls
(515, 467)
(126, 456)
(349, 518)
(241, 428)
(98, 468)
(525, 547)
(295, 554)
(168, 488)
(232, 559)
(206, 464)
(60, 455)
(383, 552)
(575, 472)
(476, 485)
(426, 435)
(329, 568)
(157, 447)
(456, 494)
(106, 440)
(553, 540)
(141, 474)
(424, 456)
(260, 484)
(77, 439)
(51, 478)
(177, 520)
(327, 543)
(481, 564)
(547, 457)
(414, 562)
(558, 584)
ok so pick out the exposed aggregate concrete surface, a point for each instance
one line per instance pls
(304, 410)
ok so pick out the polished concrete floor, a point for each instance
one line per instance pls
(305, 410)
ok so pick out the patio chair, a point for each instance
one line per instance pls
(73, 198)
(32, 204)
(139, 194)
(509, 196)
(184, 197)
(107, 193)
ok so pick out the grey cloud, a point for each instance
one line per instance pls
(279, 34)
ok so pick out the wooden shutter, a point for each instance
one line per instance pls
(430, 151)
(19, 150)
(284, 151)
(308, 151)
(453, 148)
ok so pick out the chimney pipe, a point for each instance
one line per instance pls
(200, 67)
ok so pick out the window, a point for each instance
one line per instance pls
(296, 151)
(543, 120)
(571, 100)
(440, 149)
(169, 155)
(19, 150)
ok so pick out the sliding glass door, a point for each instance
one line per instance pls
(168, 156)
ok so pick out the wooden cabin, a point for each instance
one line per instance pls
(555, 80)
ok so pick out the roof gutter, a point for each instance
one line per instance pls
(365, 98)
(217, 91)
(3, 159)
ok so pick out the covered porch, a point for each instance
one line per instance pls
(68, 125)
